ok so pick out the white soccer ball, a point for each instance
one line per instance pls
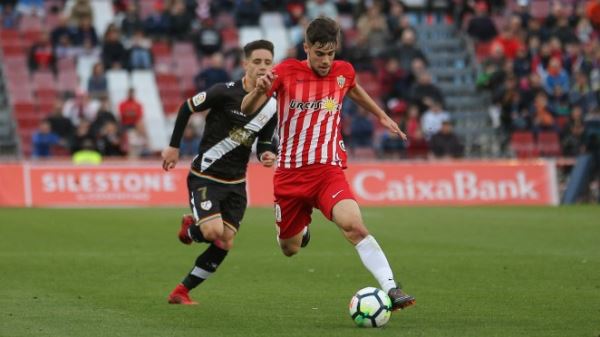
(370, 307)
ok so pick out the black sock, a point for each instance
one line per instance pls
(196, 234)
(206, 264)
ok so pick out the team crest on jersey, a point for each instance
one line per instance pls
(199, 98)
(341, 80)
(206, 205)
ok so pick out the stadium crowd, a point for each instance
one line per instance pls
(543, 71)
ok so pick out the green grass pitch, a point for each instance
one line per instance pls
(476, 272)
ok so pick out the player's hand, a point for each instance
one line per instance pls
(268, 158)
(263, 83)
(389, 124)
(170, 157)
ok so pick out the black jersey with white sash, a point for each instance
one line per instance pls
(229, 134)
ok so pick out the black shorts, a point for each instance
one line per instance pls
(209, 199)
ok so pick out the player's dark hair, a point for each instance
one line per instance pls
(322, 30)
(258, 44)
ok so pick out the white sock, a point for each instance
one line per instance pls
(374, 259)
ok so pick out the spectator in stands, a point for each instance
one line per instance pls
(65, 49)
(432, 119)
(81, 10)
(156, 23)
(412, 121)
(179, 21)
(80, 108)
(114, 54)
(139, 56)
(87, 154)
(372, 27)
(509, 42)
(59, 124)
(247, 12)
(104, 115)
(407, 50)
(130, 111)
(445, 143)
(97, 83)
(43, 140)
(397, 21)
(82, 135)
(581, 94)
(213, 74)
(555, 76)
(542, 116)
(424, 91)
(522, 11)
(593, 12)
(572, 138)
(208, 39)
(361, 130)
(85, 31)
(481, 27)
(316, 8)
(9, 17)
(190, 143)
(522, 63)
(563, 31)
(61, 29)
(394, 81)
(137, 141)
(131, 21)
(109, 140)
(41, 54)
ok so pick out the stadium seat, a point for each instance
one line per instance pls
(548, 144)
(230, 37)
(24, 107)
(249, 34)
(539, 9)
(43, 80)
(523, 144)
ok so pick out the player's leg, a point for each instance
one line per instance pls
(292, 216)
(205, 202)
(204, 267)
(337, 203)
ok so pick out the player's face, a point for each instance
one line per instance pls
(320, 57)
(258, 64)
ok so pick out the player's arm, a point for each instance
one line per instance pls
(265, 148)
(257, 97)
(200, 102)
(362, 98)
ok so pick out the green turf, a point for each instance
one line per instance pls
(475, 272)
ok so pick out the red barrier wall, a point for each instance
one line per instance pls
(386, 184)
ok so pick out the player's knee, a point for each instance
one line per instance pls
(355, 231)
(290, 250)
(225, 244)
(211, 233)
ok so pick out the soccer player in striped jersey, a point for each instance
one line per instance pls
(311, 154)
(216, 182)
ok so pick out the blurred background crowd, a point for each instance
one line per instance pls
(463, 78)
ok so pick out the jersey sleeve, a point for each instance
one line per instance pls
(279, 72)
(206, 99)
(351, 75)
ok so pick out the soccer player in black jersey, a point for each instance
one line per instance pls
(216, 182)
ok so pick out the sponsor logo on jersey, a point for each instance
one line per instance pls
(237, 112)
(199, 98)
(341, 80)
(242, 136)
(206, 205)
(328, 104)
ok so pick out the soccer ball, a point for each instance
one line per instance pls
(370, 307)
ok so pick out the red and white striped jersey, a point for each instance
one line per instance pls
(309, 108)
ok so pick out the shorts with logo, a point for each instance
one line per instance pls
(210, 199)
(299, 190)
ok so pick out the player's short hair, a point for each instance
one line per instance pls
(322, 30)
(258, 44)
